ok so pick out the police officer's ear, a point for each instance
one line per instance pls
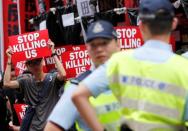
(144, 30)
(174, 23)
(142, 26)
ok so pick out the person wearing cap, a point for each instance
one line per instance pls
(101, 44)
(150, 82)
(40, 97)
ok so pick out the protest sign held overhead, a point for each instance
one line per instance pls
(129, 37)
(49, 61)
(30, 46)
(76, 62)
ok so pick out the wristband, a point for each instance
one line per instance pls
(54, 54)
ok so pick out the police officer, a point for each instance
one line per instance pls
(101, 44)
(150, 82)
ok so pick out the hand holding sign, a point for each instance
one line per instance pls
(50, 63)
(9, 52)
(51, 45)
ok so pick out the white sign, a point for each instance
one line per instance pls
(68, 19)
(42, 25)
(84, 8)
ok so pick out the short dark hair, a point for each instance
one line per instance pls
(162, 24)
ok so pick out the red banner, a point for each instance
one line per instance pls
(30, 46)
(129, 37)
(76, 62)
(20, 111)
(10, 21)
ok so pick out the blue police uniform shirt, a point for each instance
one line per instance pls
(60, 111)
(65, 113)
(159, 52)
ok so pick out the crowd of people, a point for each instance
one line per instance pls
(143, 89)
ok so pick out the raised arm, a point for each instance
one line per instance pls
(7, 77)
(61, 71)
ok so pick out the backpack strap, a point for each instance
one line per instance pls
(78, 79)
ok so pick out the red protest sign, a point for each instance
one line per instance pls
(20, 111)
(49, 61)
(129, 37)
(20, 67)
(76, 62)
(62, 49)
(29, 46)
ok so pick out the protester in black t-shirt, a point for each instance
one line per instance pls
(37, 94)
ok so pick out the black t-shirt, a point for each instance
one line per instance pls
(31, 88)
